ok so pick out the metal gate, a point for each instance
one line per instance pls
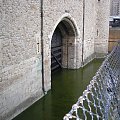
(56, 50)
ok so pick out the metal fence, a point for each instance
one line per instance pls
(101, 99)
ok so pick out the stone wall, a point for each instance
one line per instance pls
(89, 30)
(20, 65)
(54, 12)
(102, 27)
(21, 38)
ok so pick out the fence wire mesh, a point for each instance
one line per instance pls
(101, 99)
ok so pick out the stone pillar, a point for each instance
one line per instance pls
(78, 46)
(102, 27)
(71, 53)
(65, 53)
(71, 58)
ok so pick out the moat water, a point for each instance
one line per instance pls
(67, 86)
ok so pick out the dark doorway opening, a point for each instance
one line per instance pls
(56, 50)
(63, 46)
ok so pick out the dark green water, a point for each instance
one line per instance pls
(67, 86)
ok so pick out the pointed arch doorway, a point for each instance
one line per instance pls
(63, 46)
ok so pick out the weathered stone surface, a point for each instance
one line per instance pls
(102, 27)
(21, 63)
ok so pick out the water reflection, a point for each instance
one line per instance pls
(67, 86)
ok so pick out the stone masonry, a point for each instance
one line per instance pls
(26, 29)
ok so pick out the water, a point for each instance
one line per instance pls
(67, 86)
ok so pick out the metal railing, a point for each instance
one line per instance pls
(101, 99)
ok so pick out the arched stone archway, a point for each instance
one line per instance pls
(63, 45)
